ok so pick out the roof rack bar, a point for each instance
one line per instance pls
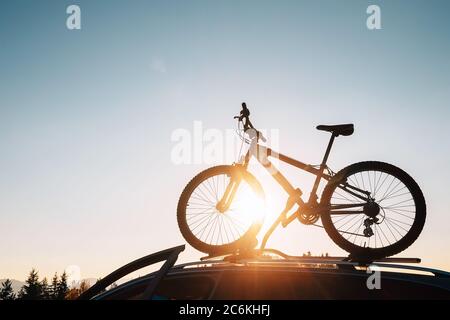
(399, 260)
(258, 255)
(355, 259)
(437, 273)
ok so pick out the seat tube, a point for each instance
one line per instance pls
(322, 167)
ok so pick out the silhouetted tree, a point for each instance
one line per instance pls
(62, 287)
(45, 290)
(32, 289)
(53, 291)
(74, 292)
(6, 291)
(84, 286)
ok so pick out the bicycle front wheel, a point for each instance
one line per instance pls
(220, 209)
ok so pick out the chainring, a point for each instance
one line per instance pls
(307, 218)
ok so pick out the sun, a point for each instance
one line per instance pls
(249, 205)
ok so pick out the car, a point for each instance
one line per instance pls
(273, 275)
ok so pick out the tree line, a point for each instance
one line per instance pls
(35, 289)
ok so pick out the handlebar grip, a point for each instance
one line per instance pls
(245, 112)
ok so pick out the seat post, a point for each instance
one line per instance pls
(327, 152)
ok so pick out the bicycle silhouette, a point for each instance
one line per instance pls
(370, 209)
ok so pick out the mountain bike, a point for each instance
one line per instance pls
(370, 209)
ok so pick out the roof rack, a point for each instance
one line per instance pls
(340, 264)
(261, 255)
(345, 263)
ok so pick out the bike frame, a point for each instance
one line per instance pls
(262, 154)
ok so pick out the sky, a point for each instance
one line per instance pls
(87, 116)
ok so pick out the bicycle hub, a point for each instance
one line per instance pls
(371, 209)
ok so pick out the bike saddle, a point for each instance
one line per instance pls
(339, 129)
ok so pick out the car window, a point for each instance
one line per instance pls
(192, 287)
(258, 285)
(173, 287)
(315, 285)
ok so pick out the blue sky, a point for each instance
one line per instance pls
(86, 116)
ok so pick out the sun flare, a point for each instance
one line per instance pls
(249, 205)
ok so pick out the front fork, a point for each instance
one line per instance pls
(224, 203)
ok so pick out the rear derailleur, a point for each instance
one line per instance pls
(368, 232)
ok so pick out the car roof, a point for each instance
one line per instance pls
(312, 268)
(276, 261)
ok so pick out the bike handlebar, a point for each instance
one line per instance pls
(244, 116)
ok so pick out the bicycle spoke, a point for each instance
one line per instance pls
(207, 197)
(394, 222)
(382, 184)
(210, 189)
(382, 232)
(388, 188)
(200, 222)
(200, 197)
(393, 227)
(202, 231)
(357, 230)
(389, 228)
(348, 221)
(402, 214)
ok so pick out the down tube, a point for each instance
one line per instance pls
(261, 156)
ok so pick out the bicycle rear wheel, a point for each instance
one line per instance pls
(382, 222)
(220, 209)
